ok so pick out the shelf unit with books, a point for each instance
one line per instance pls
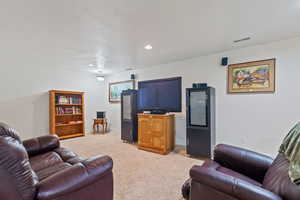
(66, 113)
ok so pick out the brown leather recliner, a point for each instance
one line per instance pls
(239, 174)
(39, 169)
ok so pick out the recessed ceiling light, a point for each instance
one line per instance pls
(100, 78)
(148, 47)
(95, 71)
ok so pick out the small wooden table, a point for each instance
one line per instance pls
(102, 122)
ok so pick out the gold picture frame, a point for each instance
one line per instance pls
(115, 89)
(251, 77)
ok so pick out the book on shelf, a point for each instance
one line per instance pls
(68, 110)
(62, 99)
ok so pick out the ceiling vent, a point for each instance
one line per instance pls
(129, 69)
(242, 40)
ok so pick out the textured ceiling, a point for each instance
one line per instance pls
(112, 34)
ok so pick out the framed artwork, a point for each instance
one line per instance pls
(252, 77)
(116, 88)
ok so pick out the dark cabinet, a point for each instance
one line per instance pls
(129, 116)
(200, 122)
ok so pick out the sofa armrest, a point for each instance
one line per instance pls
(229, 185)
(41, 144)
(74, 178)
(249, 163)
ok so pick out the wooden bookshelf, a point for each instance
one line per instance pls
(66, 113)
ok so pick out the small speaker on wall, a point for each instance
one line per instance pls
(224, 61)
(199, 85)
(132, 76)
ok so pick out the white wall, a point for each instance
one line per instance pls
(256, 121)
(24, 100)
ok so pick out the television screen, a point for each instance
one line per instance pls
(161, 94)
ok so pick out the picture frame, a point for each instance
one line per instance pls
(115, 89)
(252, 77)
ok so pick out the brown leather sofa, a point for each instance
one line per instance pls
(39, 169)
(239, 174)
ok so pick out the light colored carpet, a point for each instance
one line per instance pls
(138, 175)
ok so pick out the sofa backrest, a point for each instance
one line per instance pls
(278, 181)
(17, 179)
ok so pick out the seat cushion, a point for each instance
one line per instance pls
(46, 172)
(68, 156)
(45, 160)
(277, 180)
(47, 164)
(224, 170)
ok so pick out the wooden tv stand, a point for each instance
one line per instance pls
(156, 133)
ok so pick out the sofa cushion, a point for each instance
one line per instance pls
(46, 172)
(224, 170)
(42, 144)
(68, 156)
(277, 180)
(47, 164)
(45, 160)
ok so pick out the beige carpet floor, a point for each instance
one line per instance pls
(138, 175)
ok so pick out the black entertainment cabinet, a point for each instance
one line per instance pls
(200, 122)
(129, 121)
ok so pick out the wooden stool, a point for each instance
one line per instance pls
(102, 122)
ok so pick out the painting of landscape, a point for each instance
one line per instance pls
(115, 90)
(251, 77)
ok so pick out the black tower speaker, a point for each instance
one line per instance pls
(129, 119)
(200, 122)
(224, 61)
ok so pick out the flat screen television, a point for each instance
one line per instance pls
(160, 95)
